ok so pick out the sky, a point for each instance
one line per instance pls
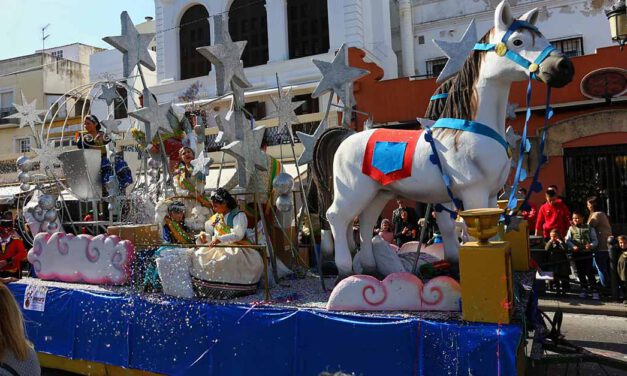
(71, 21)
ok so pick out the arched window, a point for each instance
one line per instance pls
(194, 32)
(248, 21)
(308, 27)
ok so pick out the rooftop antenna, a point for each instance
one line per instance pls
(44, 36)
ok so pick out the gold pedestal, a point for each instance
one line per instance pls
(485, 270)
(519, 241)
(485, 273)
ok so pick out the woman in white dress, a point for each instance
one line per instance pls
(224, 272)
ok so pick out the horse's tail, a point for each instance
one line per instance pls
(324, 152)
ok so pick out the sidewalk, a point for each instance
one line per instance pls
(573, 304)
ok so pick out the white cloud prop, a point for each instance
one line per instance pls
(102, 259)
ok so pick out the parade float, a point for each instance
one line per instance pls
(84, 303)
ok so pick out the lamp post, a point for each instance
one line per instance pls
(617, 16)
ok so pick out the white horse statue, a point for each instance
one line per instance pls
(477, 164)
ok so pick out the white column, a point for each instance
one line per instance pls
(337, 33)
(278, 44)
(407, 37)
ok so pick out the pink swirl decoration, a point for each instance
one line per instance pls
(371, 289)
(92, 253)
(439, 295)
(38, 248)
(62, 245)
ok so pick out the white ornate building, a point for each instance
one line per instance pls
(283, 36)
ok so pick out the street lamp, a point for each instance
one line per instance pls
(617, 16)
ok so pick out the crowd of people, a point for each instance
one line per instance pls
(582, 242)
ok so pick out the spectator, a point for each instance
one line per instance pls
(386, 231)
(12, 250)
(396, 214)
(553, 188)
(601, 224)
(582, 241)
(559, 264)
(529, 215)
(553, 214)
(17, 356)
(405, 229)
(622, 264)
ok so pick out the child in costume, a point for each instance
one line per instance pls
(220, 271)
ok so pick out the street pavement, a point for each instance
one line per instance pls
(604, 335)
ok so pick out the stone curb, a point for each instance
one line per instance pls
(601, 308)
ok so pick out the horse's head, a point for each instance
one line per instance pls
(519, 49)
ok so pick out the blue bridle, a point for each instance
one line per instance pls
(502, 50)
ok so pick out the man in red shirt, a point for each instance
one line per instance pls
(553, 214)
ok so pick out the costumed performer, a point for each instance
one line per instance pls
(94, 138)
(226, 272)
(12, 251)
(174, 232)
(186, 183)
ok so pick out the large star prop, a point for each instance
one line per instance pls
(201, 164)
(425, 123)
(336, 75)
(309, 141)
(109, 93)
(227, 126)
(155, 114)
(133, 45)
(248, 152)
(226, 56)
(112, 126)
(47, 156)
(27, 113)
(284, 109)
(457, 52)
(511, 110)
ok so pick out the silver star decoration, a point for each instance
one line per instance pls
(133, 45)
(511, 110)
(309, 141)
(201, 164)
(514, 224)
(226, 56)
(284, 109)
(109, 93)
(112, 126)
(155, 114)
(457, 52)
(425, 123)
(248, 153)
(336, 75)
(227, 126)
(47, 156)
(511, 137)
(27, 113)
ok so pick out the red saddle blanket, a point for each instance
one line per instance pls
(389, 154)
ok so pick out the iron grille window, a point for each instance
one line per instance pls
(193, 33)
(248, 21)
(435, 66)
(569, 47)
(120, 104)
(57, 54)
(308, 27)
(311, 105)
(22, 145)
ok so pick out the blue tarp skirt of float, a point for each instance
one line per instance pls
(190, 337)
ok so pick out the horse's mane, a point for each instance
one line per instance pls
(462, 100)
